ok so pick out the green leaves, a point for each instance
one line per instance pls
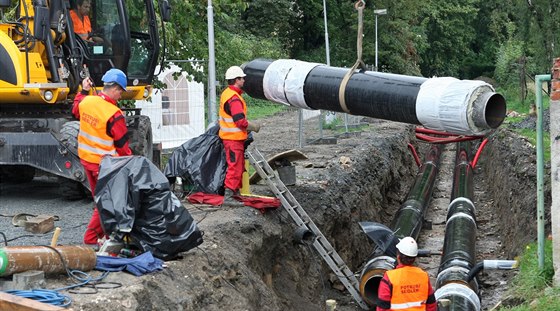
(464, 39)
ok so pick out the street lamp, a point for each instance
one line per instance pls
(377, 13)
(326, 33)
(212, 113)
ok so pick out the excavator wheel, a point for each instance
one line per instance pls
(140, 135)
(69, 133)
(71, 189)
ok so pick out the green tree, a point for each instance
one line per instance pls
(449, 26)
(234, 44)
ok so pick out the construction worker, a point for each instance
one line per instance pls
(81, 21)
(406, 287)
(233, 132)
(103, 131)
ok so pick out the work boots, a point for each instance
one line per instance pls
(230, 201)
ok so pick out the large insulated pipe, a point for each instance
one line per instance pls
(447, 104)
(15, 259)
(459, 245)
(407, 222)
(409, 218)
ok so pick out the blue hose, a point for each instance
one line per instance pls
(43, 295)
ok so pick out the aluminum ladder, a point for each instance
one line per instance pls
(302, 220)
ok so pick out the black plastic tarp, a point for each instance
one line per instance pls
(134, 197)
(200, 161)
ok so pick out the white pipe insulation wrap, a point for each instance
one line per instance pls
(460, 290)
(284, 80)
(500, 264)
(449, 104)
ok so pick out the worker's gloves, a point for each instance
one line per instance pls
(253, 127)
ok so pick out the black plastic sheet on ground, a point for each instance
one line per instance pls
(200, 161)
(133, 197)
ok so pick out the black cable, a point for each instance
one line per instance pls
(5, 240)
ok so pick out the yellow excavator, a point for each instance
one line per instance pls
(42, 62)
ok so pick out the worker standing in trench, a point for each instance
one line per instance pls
(103, 131)
(233, 132)
(406, 287)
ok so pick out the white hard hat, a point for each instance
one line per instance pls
(234, 72)
(408, 247)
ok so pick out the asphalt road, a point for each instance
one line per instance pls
(41, 197)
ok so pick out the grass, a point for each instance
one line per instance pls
(258, 108)
(533, 286)
(531, 135)
(515, 104)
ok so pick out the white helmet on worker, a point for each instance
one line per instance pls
(408, 247)
(234, 72)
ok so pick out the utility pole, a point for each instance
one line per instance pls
(555, 167)
(377, 13)
(212, 114)
(326, 34)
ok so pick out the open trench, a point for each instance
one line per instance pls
(372, 191)
(249, 260)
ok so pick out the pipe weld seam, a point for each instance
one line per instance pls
(450, 270)
(456, 289)
(462, 199)
(460, 215)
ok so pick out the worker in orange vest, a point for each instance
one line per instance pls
(233, 132)
(81, 21)
(103, 132)
(406, 287)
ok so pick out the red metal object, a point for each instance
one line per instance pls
(478, 152)
(442, 137)
(414, 154)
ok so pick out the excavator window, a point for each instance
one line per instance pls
(123, 35)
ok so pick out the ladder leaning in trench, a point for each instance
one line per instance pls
(302, 220)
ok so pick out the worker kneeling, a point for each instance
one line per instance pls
(406, 287)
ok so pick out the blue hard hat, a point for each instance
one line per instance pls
(115, 76)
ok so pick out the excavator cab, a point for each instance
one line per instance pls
(126, 38)
(44, 59)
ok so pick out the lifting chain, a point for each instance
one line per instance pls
(359, 6)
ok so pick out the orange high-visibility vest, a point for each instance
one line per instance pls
(410, 288)
(93, 140)
(82, 28)
(228, 129)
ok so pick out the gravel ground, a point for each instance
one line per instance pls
(42, 198)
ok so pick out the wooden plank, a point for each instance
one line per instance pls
(10, 302)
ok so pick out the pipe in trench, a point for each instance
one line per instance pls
(407, 222)
(446, 104)
(459, 246)
(16, 259)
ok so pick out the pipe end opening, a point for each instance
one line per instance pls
(495, 110)
(369, 288)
